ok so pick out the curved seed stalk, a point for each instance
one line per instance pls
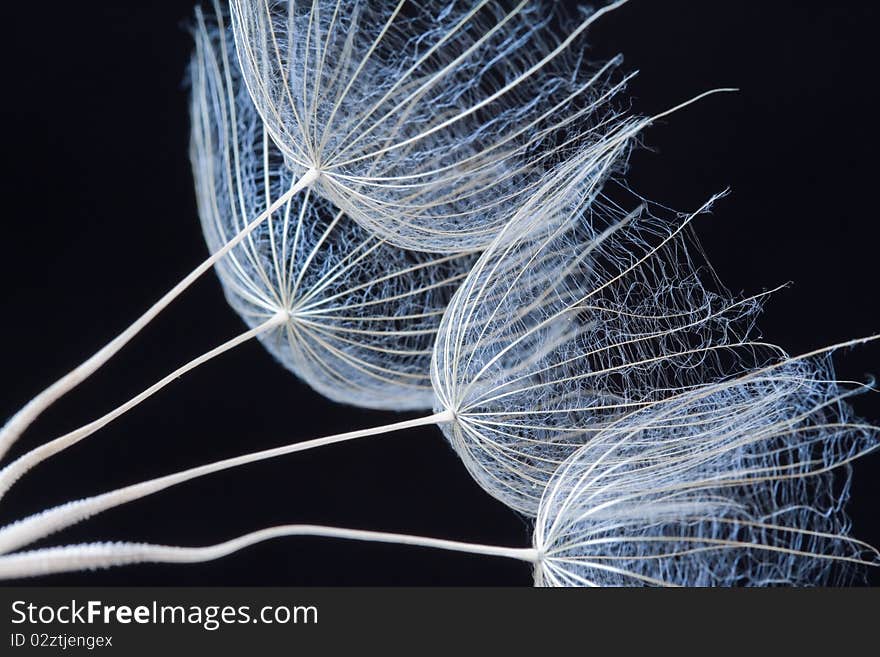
(579, 298)
(736, 483)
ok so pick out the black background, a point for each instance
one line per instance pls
(99, 219)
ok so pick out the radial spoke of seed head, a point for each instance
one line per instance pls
(362, 134)
(40, 525)
(93, 556)
(360, 67)
(505, 89)
(527, 130)
(13, 471)
(548, 200)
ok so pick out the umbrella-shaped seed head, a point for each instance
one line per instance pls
(557, 333)
(362, 315)
(427, 121)
(739, 484)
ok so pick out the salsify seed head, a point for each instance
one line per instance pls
(361, 315)
(560, 331)
(428, 122)
(741, 483)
